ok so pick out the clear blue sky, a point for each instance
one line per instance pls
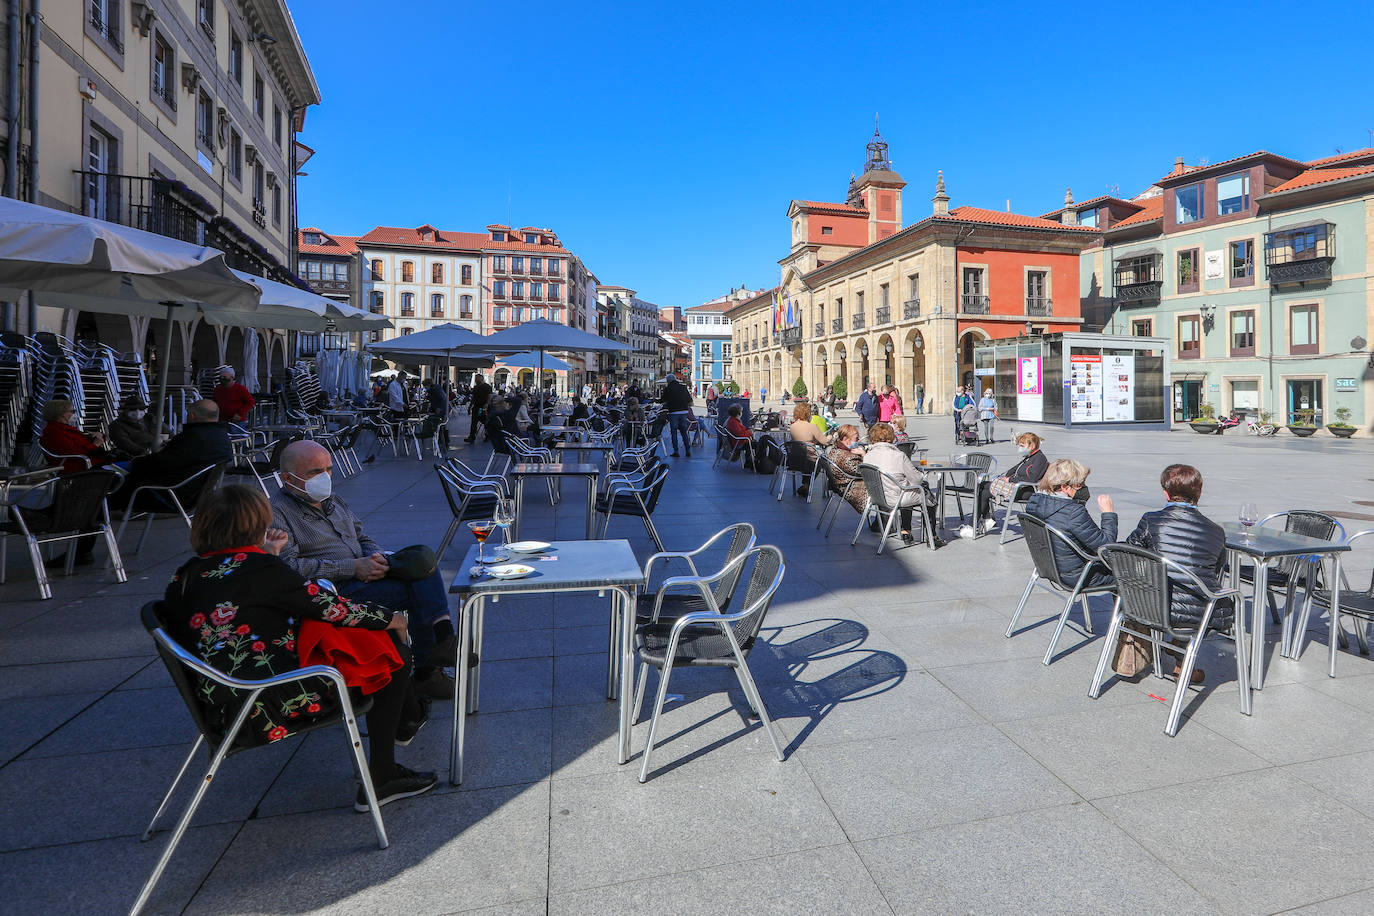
(662, 142)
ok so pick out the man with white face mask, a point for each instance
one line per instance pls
(327, 541)
(132, 431)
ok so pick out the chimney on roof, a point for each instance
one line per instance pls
(1070, 216)
(941, 199)
(1179, 168)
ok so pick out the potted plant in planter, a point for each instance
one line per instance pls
(1302, 425)
(841, 389)
(1341, 428)
(799, 389)
(1205, 424)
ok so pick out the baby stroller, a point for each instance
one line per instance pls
(967, 433)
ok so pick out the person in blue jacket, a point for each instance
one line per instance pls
(867, 405)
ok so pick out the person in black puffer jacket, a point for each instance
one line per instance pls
(1192, 540)
(1054, 503)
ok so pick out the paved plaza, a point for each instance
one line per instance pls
(932, 766)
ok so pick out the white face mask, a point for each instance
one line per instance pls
(137, 414)
(1022, 450)
(317, 488)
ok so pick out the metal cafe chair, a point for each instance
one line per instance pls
(1019, 497)
(468, 498)
(873, 480)
(1143, 609)
(168, 498)
(729, 446)
(986, 466)
(798, 463)
(75, 508)
(1354, 603)
(1286, 574)
(712, 639)
(188, 674)
(829, 472)
(1045, 574)
(674, 597)
(625, 496)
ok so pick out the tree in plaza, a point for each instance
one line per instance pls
(840, 387)
(729, 388)
(799, 388)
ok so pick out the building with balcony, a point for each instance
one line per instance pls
(330, 264)
(645, 358)
(1256, 270)
(863, 298)
(422, 277)
(175, 116)
(709, 334)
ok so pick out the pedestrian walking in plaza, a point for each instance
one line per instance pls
(481, 396)
(920, 398)
(763, 396)
(867, 405)
(677, 400)
(987, 412)
(961, 400)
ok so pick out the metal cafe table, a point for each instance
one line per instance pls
(580, 449)
(521, 472)
(946, 471)
(577, 566)
(1263, 546)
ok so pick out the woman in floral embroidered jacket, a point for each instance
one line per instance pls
(240, 609)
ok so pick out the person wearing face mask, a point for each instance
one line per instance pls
(132, 431)
(1028, 469)
(233, 399)
(326, 540)
(63, 437)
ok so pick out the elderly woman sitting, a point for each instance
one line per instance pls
(63, 438)
(845, 459)
(1029, 469)
(244, 611)
(1054, 503)
(886, 457)
(804, 430)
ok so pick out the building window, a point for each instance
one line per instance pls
(536, 265)
(259, 98)
(407, 271)
(313, 238)
(205, 122)
(1144, 269)
(205, 15)
(517, 314)
(913, 287)
(1188, 204)
(436, 306)
(1242, 262)
(973, 281)
(407, 305)
(517, 289)
(100, 157)
(725, 350)
(377, 269)
(1188, 271)
(310, 270)
(236, 58)
(498, 289)
(464, 306)
(277, 125)
(705, 349)
(1242, 333)
(236, 159)
(1305, 243)
(839, 307)
(436, 272)
(531, 238)
(553, 266)
(164, 71)
(1233, 194)
(259, 187)
(536, 290)
(1088, 218)
(497, 236)
(1037, 290)
(498, 262)
(1189, 337)
(466, 273)
(553, 292)
(105, 21)
(1143, 327)
(405, 331)
(517, 264)
(378, 302)
(276, 205)
(1303, 330)
(827, 230)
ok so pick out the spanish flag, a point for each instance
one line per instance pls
(777, 310)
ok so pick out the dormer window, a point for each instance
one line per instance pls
(1188, 204)
(531, 238)
(498, 236)
(427, 234)
(1087, 218)
(314, 238)
(1233, 194)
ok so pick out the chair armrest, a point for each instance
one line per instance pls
(697, 582)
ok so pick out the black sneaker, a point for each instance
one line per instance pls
(405, 784)
(406, 731)
(437, 686)
(445, 654)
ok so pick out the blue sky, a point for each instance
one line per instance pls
(663, 142)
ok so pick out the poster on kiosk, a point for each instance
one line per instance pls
(1085, 389)
(1030, 399)
(1118, 389)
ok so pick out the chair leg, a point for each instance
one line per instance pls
(112, 547)
(653, 533)
(355, 743)
(1006, 520)
(887, 528)
(658, 710)
(1025, 596)
(751, 693)
(171, 790)
(4, 556)
(1095, 689)
(1185, 674)
(147, 526)
(641, 681)
(448, 538)
(40, 572)
(863, 518)
(1059, 628)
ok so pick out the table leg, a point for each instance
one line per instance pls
(627, 669)
(1336, 613)
(1258, 609)
(475, 674)
(519, 504)
(591, 503)
(455, 752)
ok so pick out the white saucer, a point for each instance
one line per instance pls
(528, 546)
(510, 571)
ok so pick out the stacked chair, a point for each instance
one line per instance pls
(16, 371)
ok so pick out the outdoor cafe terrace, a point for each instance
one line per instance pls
(932, 763)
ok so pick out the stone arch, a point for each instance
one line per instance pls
(862, 359)
(820, 371)
(968, 339)
(205, 351)
(913, 366)
(276, 358)
(840, 368)
(885, 358)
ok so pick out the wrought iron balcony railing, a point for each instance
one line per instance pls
(911, 308)
(856, 321)
(836, 325)
(882, 314)
(974, 304)
(1039, 305)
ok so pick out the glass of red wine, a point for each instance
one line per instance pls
(481, 530)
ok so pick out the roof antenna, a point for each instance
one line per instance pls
(1008, 204)
(509, 221)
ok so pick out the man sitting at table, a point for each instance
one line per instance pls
(203, 441)
(1183, 534)
(327, 541)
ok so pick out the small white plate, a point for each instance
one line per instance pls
(528, 546)
(510, 571)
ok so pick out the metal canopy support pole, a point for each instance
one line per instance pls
(164, 358)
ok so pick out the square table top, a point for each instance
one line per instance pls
(580, 564)
(556, 469)
(585, 446)
(1266, 544)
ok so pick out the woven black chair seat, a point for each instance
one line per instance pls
(698, 646)
(1360, 604)
(673, 606)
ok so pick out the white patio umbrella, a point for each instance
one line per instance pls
(455, 344)
(543, 335)
(250, 359)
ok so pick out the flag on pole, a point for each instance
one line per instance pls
(790, 319)
(777, 310)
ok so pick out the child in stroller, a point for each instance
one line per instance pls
(968, 425)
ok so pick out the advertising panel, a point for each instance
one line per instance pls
(1118, 389)
(1030, 401)
(1085, 388)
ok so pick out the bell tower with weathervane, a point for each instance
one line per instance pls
(878, 190)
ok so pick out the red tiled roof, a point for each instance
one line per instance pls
(1367, 153)
(1151, 209)
(395, 235)
(333, 244)
(1003, 218)
(489, 245)
(832, 207)
(1082, 204)
(1321, 176)
(1189, 169)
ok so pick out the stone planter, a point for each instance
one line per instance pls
(1303, 432)
(1341, 432)
(1205, 427)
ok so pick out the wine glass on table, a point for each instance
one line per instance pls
(1249, 518)
(504, 515)
(481, 530)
